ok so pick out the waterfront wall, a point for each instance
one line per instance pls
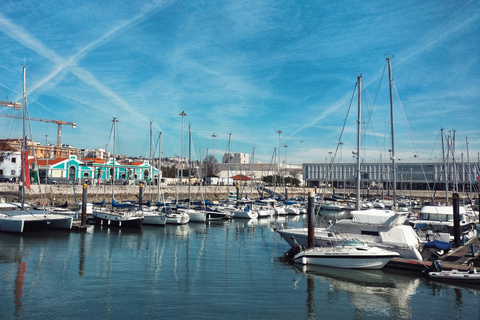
(60, 194)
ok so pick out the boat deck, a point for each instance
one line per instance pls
(459, 258)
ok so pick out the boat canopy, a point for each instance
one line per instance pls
(387, 218)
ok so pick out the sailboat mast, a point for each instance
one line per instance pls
(228, 177)
(150, 174)
(445, 167)
(113, 163)
(189, 161)
(392, 126)
(159, 180)
(24, 138)
(359, 122)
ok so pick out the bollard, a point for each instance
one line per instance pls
(84, 205)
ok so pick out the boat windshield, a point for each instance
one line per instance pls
(350, 242)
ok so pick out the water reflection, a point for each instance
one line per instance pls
(370, 291)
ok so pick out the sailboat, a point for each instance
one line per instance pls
(121, 214)
(381, 228)
(150, 215)
(24, 218)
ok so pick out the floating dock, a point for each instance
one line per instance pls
(460, 258)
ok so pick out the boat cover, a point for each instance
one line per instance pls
(387, 218)
(121, 205)
(437, 244)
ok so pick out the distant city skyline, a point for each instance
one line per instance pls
(249, 69)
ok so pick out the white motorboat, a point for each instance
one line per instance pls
(245, 213)
(348, 253)
(381, 228)
(439, 220)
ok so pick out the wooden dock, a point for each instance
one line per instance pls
(458, 258)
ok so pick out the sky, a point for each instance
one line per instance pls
(245, 70)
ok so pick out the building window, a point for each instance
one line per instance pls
(1, 159)
(14, 160)
(1, 172)
(12, 173)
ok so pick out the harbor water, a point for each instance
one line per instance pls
(221, 270)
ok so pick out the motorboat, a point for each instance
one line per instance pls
(437, 221)
(436, 272)
(347, 254)
(382, 228)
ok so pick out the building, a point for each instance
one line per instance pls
(409, 175)
(235, 158)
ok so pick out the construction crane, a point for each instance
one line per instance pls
(15, 105)
(60, 123)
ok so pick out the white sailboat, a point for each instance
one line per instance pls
(120, 215)
(25, 219)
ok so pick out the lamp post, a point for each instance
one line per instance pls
(183, 115)
(278, 168)
(214, 136)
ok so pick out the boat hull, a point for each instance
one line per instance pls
(323, 239)
(116, 220)
(346, 261)
(154, 219)
(33, 220)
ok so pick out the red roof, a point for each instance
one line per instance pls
(241, 177)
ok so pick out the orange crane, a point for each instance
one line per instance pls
(59, 122)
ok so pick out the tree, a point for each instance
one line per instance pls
(210, 166)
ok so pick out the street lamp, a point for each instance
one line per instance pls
(214, 136)
(183, 115)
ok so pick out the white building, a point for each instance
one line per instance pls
(10, 164)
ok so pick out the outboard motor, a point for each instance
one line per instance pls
(296, 248)
(435, 267)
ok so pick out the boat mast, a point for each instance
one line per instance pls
(24, 138)
(394, 173)
(359, 122)
(189, 160)
(445, 167)
(114, 121)
(228, 177)
(159, 165)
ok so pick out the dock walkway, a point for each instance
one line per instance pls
(458, 258)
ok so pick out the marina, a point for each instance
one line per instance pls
(230, 269)
(374, 214)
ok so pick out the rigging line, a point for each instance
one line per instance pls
(369, 122)
(345, 121)
(411, 136)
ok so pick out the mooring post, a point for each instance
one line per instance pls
(84, 205)
(456, 220)
(311, 219)
(140, 195)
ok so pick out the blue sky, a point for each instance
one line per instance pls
(249, 68)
